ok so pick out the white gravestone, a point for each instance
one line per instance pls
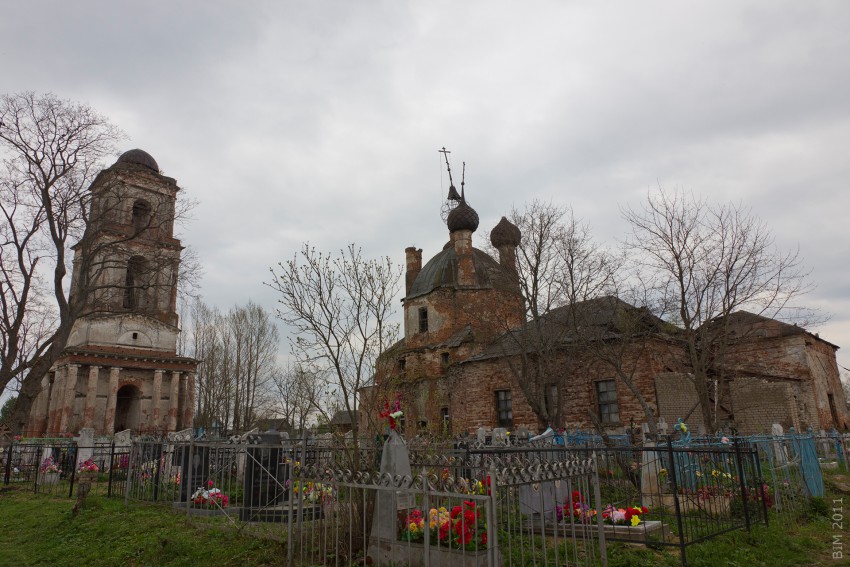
(395, 461)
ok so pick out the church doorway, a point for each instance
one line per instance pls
(127, 408)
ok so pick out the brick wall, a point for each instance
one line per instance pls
(759, 403)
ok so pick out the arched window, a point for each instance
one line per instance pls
(134, 283)
(141, 215)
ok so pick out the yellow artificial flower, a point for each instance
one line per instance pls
(635, 520)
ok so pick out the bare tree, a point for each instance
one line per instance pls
(339, 309)
(55, 202)
(255, 349)
(299, 395)
(51, 151)
(238, 363)
(559, 265)
(709, 261)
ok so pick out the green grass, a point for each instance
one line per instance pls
(37, 530)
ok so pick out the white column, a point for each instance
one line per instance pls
(70, 394)
(174, 401)
(111, 401)
(155, 399)
(91, 397)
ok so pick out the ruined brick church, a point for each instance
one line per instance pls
(120, 369)
(455, 368)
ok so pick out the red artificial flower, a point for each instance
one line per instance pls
(483, 538)
(444, 532)
(644, 509)
(210, 483)
(455, 512)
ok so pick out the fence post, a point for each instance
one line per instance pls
(742, 482)
(426, 506)
(677, 507)
(111, 467)
(492, 526)
(73, 468)
(289, 543)
(755, 455)
(8, 474)
(189, 476)
(129, 484)
(156, 473)
(597, 496)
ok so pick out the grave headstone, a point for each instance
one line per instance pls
(395, 461)
(540, 499)
(195, 469)
(662, 426)
(481, 435)
(123, 438)
(266, 475)
(522, 433)
(701, 430)
(825, 445)
(85, 445)
(779, 451)
(651, 481)
(500, 437)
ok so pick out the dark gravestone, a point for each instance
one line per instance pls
(195, 463)
(265, 476)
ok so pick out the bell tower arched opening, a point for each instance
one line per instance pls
(128, 411)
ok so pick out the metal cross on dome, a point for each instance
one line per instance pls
(453, 199)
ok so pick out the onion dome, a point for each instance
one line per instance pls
(462, 217)
(505, 233)
(139, 157)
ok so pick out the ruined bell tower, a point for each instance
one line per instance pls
(120, 368)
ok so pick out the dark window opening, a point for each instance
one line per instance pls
(141, 215)
(133, 282)
(444, 358)
(550, 400)
(423, 319)
(606, 397)
(135, 336)
(833, 411)
(504, 411)
(402, 364)
(444, 419)
(422, 424)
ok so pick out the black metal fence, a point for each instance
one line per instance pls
(664, 495)
(54, 467)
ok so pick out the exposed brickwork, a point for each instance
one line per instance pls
(772, 372)
(760, 403)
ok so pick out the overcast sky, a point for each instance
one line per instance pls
(320, 121)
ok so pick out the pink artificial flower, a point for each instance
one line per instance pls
(210, 483)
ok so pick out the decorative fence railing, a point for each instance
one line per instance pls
(530, 503)
(54, 466)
